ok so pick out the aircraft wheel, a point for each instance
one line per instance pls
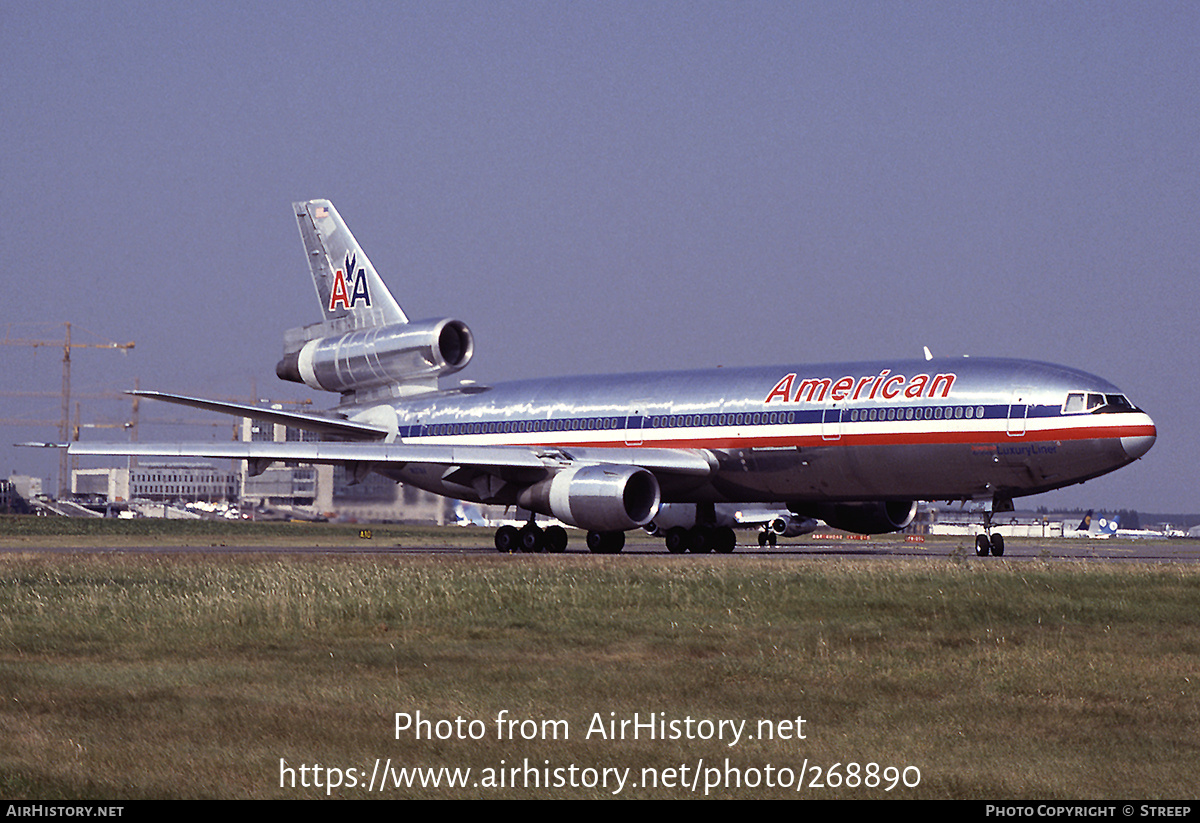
(507, 539)
(530, 538)
(606, 542)
(772, 538)
(702, 540)
(762, 540)
(677, 540)
(724, 540)
(982, 545)
(556, 539)
(997, 545)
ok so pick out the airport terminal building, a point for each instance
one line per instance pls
(157, 482)
(306, 489)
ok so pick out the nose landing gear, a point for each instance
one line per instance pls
(988, 543)
(993, 544)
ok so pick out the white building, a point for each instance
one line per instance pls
(159, 482)
(331, 490)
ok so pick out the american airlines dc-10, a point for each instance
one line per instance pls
(853, 444)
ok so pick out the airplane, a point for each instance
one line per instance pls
(1085, 525)
(852, 444)
(1096, 527)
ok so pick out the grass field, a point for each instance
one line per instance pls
(133, 675)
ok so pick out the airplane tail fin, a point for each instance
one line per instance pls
(364, 347)
(1086, 523)
(351, 293)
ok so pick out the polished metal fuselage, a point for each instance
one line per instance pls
(943, 429)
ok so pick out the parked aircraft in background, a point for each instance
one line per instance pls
(853, 444)
(1091, 526)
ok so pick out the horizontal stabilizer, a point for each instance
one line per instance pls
(328, 426)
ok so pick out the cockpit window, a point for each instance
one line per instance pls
(1091, 402)
(1074, 404)
(1117, 403)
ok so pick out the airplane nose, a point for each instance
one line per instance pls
(1137, 445)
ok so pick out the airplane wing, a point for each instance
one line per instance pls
(599, 489)
(611, 488)
(539, 461)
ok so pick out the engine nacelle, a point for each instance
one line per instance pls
(380, 355)
(789, 526)
(862, 518)
(600, 498)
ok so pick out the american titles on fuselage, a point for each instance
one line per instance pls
(885, 385)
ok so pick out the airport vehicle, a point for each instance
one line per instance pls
(853, 444)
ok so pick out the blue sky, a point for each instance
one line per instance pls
(610, 187)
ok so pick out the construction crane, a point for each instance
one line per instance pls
(64, 426)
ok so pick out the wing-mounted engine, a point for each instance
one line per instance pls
(396, 359)
(600, 498)
(792, 526)
(879, 517)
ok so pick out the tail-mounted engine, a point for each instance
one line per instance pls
(407, 355)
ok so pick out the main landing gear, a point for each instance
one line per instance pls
(532, 538)
(701, 539)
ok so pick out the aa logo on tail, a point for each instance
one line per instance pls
(348, 296)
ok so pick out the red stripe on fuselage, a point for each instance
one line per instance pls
(894, 438)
